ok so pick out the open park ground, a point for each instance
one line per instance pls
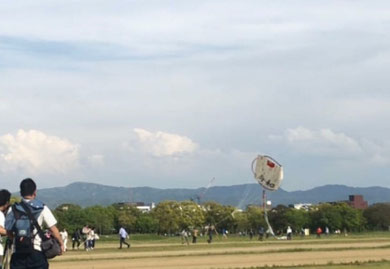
(354, 251)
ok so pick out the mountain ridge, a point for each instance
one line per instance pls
(88, 194)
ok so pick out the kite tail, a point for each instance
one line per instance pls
(270, 230)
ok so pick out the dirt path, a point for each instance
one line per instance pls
(254, 242)
(232, 261)
(224, 255)
(257, 249)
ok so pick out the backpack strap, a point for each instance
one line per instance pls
(16, 212)
(33, 220)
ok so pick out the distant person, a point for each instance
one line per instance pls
(225, 233)
(250, 234)
(326, 231)
(90, 238)
(210, 230)
(184, 237)
(289, 233)
(319, 232)
(261, 233)
(76, 236)
(302, 232)
(345, 232)
(95, 237)
(5, 197)
(64, 236)
(28, 253)
(122, 237)
(85, 231)
(194, 235)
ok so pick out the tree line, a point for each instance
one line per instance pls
(170, 217)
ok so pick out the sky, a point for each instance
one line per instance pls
(171, 94)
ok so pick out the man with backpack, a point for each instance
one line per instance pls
(21, 227)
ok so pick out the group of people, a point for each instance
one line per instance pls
(18, 223)
(185, 234)
(86, 236)
(209, 231)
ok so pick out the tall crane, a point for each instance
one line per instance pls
(200, 195)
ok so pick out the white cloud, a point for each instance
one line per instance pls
(96, 160)
(160, 144)
(36, 152)
(325, 142)
(320, 142)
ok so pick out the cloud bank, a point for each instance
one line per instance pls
(162, 144)
(336, 145)
(36, 152)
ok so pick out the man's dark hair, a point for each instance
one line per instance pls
(5, 196)
(27, 187)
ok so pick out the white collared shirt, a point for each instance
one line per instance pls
(2, 224)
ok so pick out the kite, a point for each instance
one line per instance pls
(269, 174)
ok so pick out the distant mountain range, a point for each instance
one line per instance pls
(87, 194)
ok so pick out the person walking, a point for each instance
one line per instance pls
(76, 239)
(5, 197)
(64, 236)
(123, 235)
(85, 231)
(184, 237)
(289, 233)
(250, 234)
(319, 232)
(194, 235)
(210, 230)
(326, 231)
(28, 253)
(90, 238)
(261, 233)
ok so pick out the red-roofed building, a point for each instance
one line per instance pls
(357, 201)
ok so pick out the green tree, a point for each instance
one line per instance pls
(101, 218)
(297, 218)
(242, 223)
(353, 219)
(127, 217)
(220, 216)
(256, 217)
(326, 215)
(15, 199)
(145, 223)
(278, 219)
(191, 215)
(70, 217)
(167, 214)
(378, 216)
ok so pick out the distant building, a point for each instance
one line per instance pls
(303, 206)
(357, 201)
(146, 208)
(139, 205)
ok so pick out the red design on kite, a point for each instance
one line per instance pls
(270, 164)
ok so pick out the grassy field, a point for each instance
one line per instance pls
(365, 250)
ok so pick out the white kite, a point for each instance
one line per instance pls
(269, 174)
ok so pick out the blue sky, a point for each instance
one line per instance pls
(173, 93)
